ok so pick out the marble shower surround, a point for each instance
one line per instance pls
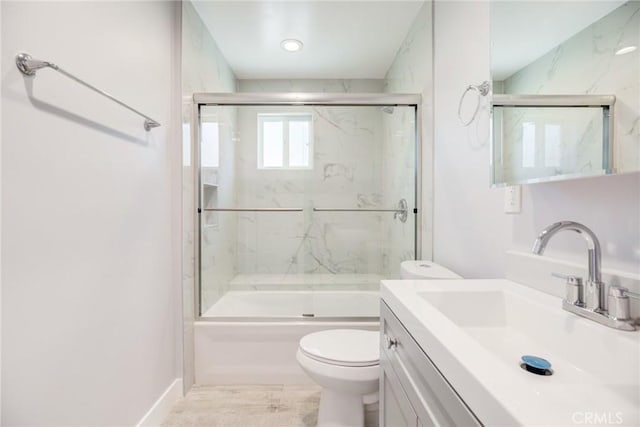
(346, 173)
(411, 72)
(587, 64)
(580, 151)
(204, 69)
(324, 243)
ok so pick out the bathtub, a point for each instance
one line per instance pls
(295, 305)
(251, 337)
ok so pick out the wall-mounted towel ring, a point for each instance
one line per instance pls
(482, 90)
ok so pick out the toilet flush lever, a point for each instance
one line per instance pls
(390, 342)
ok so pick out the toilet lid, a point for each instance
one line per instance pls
(344, 347)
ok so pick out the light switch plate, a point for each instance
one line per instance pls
(513, 199)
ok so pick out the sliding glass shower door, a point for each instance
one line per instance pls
(303, 209)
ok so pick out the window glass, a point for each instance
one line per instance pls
(285, 141)
(528, 145)
(299, 143)
(272, 144)
(210, 149)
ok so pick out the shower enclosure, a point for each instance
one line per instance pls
(305, 202)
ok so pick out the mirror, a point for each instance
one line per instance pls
(565, 48)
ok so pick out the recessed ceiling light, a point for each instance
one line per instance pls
(291, 45)
(626, 49)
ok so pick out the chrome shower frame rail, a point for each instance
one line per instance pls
(297, 99)
(28, 66)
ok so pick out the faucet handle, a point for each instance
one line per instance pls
(569, 278)
(618, 302)
(573, 287)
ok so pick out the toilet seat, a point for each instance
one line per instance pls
(343, 347)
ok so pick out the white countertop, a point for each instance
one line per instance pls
(477, 346)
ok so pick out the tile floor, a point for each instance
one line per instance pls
(247, 406)
(252, 406)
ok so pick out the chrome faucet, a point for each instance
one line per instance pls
(594, 292)
(593, 305)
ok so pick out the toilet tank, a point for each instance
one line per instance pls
(425, 270)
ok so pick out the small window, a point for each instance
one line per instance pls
(552, 145)
(285, 141)
(210, 148)
(528, 145)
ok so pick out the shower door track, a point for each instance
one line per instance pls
(296, 99)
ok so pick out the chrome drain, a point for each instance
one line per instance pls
(536, 365)
(537, 371)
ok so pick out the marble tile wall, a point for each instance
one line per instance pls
(398, 169)
(218, 243)
(347, 173)
(353, 167)
(311, 85)
(203, 69)
(410, 72)
(587, 64)
(567, 142)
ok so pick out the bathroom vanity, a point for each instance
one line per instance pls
(412, 390)
(451, 355)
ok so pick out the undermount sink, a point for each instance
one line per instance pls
(476, 332)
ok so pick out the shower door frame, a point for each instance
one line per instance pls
(235, 99)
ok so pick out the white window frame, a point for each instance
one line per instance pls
(285, 118)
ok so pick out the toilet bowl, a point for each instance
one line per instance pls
(346, 362)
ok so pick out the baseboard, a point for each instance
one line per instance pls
(159, 411)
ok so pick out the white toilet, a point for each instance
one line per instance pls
(346, 362)
(425, 270)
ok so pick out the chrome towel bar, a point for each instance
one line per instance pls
(252, 209)
(401, 212)
(28, 66)
(353, 210)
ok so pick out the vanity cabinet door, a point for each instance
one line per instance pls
(395, 411)
(395, 408)
(431, 397)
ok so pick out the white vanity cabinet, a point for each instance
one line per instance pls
(412, 390)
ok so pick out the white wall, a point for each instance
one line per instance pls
(0, 236)
(609, 205)
(89, 291)
(471, 232)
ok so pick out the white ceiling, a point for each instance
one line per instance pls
(342, 39)
(523, 31)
